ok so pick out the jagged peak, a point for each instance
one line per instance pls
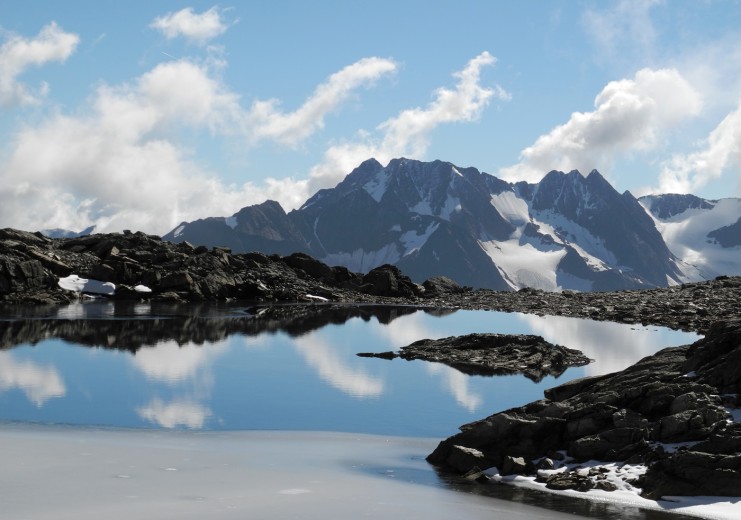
(271, 205)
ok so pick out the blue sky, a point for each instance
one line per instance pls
(140, 115)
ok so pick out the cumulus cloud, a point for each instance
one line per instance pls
(194, 27)
(17, 54)
(408, 133)
(120, 164)
(630, 115)
(685, 173)
(294, 127)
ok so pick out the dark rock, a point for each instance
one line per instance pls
(388, 280)
(693, 473)
(381, 355)
(569, 480)
(617, 416)
(497, 354)
(442, 285)
(513, 466)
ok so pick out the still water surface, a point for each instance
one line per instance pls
(284, 368)
(142, 411)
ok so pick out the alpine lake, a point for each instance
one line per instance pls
(267, 410)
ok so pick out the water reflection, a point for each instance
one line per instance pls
(172, 363)
(323, 357)
(39, 383)
(282, 367)
(456, 383)
(613, 346)
(177, 413)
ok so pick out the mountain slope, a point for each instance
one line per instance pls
(704, 234)
(433, 218)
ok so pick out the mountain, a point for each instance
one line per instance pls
(66, 233)
(569, 231)
(704, 234)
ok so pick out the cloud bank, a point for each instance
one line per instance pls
(631, 115)
(17, 54)
(685, 173)
(121, 164)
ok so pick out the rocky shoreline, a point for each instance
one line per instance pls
(669, 412)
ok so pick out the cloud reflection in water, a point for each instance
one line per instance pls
(39, 383)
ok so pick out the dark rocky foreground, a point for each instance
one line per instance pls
(680, 395)
(493, 355)
(31, 265)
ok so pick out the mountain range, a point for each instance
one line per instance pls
(568, 231)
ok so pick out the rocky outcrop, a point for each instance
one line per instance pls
(31, 265)
(679, 395)
(494, 354)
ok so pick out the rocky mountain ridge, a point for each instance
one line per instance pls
(569, 231)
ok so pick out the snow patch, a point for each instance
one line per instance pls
(511, 207)
(317, 298)
(142, 289)
(685, 234)
(715, 507)
(411, 241)
(377, 186)
(363, 261)
(423, 207)
(178, 231)
(525, 265)
(85, 285)
(586, 244)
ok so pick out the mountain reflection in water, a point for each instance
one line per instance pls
(285, 367)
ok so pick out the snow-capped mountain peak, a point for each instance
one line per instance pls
(569, 231)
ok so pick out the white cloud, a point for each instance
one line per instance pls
(685, 173)
(119, 162)
(121, 165)
(197, 28)
(630, 115)
(294, 127)
(18, 54)
(407, 134)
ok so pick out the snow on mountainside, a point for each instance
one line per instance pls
(705, 235)
(66, 233)
(568, 231)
